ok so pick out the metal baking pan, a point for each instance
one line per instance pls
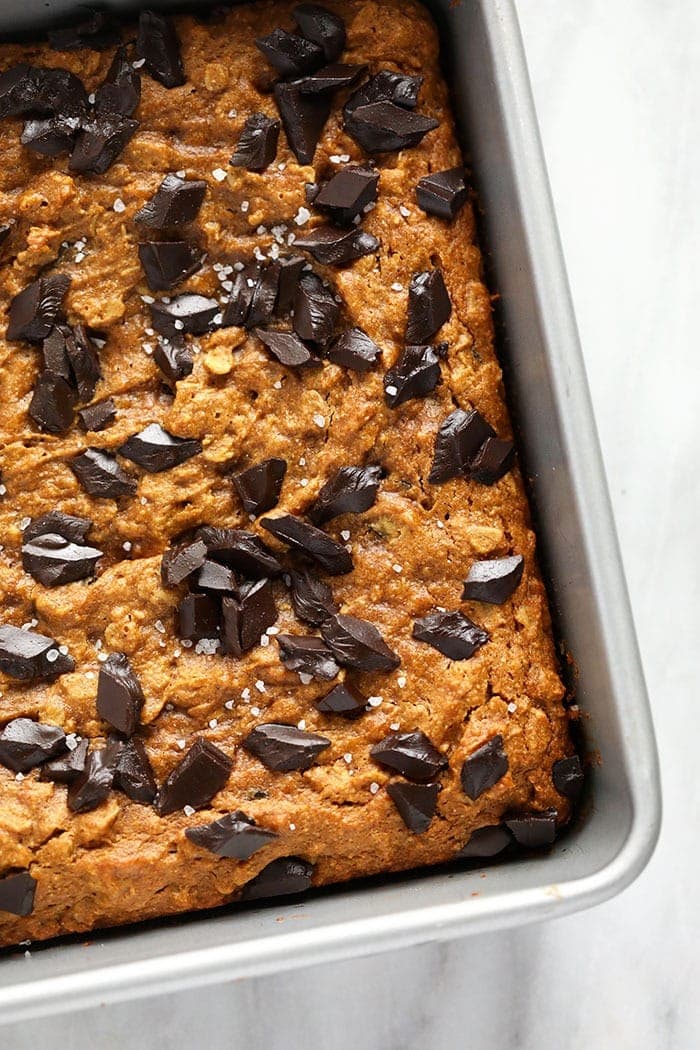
(616, 833)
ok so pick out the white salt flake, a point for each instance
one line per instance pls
(245, 695)
(345, 534)
(72, 741)
(19, 776)
(301, 724)
(512, 708)
(213, 723)
(264, 640)
(277, 384)
(401, 681)
(374, 787)
(404, 211)
(272, 630)
(347, 757)
(397, 568)
(305, 678)
(228, 704)
(206, 646)
(52, 655)
(392, 391)
(304, 482)
(292, 827)
(126, 545)
(394, 726)
(319, 420)
(440, 524)
(179, 325)
(119, 205)
(188, 810)
(233, 113)
(182, 744)
(79, 257)
(260, 685)
(245, 205)
(138, 63)
(255, 711)
(375, 701)
(219, 174)
(181, 173)
(397, 287)
(24, 523)
(302, 216)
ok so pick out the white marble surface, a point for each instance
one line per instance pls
(616, 85)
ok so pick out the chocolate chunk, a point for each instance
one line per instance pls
(247, 616)
(96, 32)
(350, 490)
(415, 374)
(71, 528)
(155, 449)
(312, 598)
(233, 835)
(198, 617)
(50, 136)
(533, 829)
(451, 633)
(120, 91)
(486, 842)
(315, 309)
(17, 893)
(100, 141)
(331, 78)
(484, 768)
(284, 748)
(133, 774)
(264, 298)
(174, 359)
(197, 777)
(282, 877)
(343, 700)
(333, 247)
(53, 560)
(119, 694)
(67, 767)
(52, 405)
(18, 90)
(259, 487)
(100, 474)
(25, 744)
(158, 45)
(35, 310)
(568, 778)
(289, 54)
(180, 562)
(386, 86)
(168, 263)
(243, 289)
(355, 350)
(412, 755)
(383, 127)
(458, 440)
(257, 145)
(214, 578)
(443, 193)
(34, 91)
(90, 789)
(357, 643)
(348, 193)
(98, 416)
(175, 203)
(416, 803)
(298, 534)
(288, 275)
(303, 118)
(188, 312)
(27, 655)
(494, 459)
(307, 654)
(429, 306)
(323, 27)
(493, 581)
(54, 351)
(5, 229)
(81, 351)
(288, 349)
(242, 550)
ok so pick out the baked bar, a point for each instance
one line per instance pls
(271, 615)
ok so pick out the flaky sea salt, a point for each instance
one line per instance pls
(219, 174)
(119, 205)
(374, 787)
(319, 420)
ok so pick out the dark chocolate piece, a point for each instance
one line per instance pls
(288, 275)
(323, 27)
(52, 406)
(40, 91)
(355, 350)
(443, 193)
(28, 655)
(175, 203)
(119, 694)
(157, 43)
(282, 877)
(17, 892)
(196, 779)
(533, 829)
(415, 374)
(309, 655)
(189, 312)
(168, 263)
(35, 310)
(416, 803)
(242, 550)
(93, 785)
(348, 193)
(259, 486)
(458, 440)
(429, 306)
(174, 359)
(283, 748)
(98, 416)
(484, 768)
(134, 774)
(81, 351)
(315, 309)
(25, 744)
(68, 766)
(331, 78)
(257, 145)
(120, 91)
(343, 700)
(155, 449)
(335, 247)
(53, 560)
(71, 528)
(568, 778)
(494, 459)
(246, 617)
(18, 90)
(312, 598)
(233, 835)
(96, 32)
(486, 842)
(198, 617)
(357, 643)
(451, 633)
(237, 310)
(288, 349)
(289, 54)
(264, 298)
(413, 755)
(5, 229)
(383, 127)
(351, 490)
(54, 351)
(493, 581)
(180, 562)
(386, 86)
(100, 141)
(298, 534)
(100, 474)
(50, 136)
(303, 118)
(214, 578)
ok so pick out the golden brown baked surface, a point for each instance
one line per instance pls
(122, 861)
